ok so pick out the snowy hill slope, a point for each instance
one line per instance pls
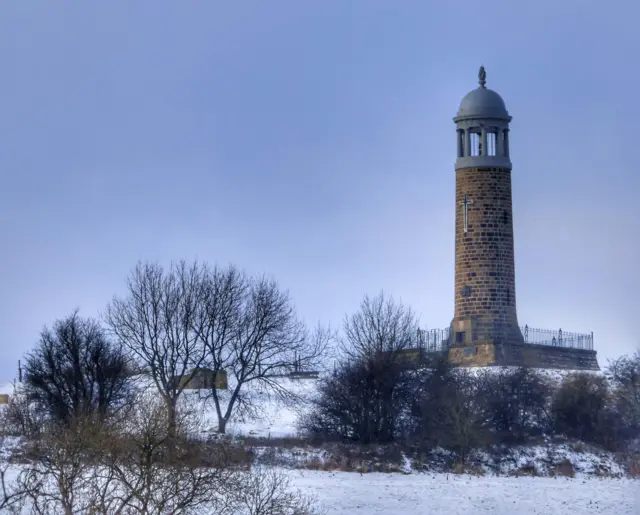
(272, 418)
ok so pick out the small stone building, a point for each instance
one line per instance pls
(204, 379)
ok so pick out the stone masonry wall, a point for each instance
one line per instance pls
(506, 355)
(485, 265)
(527, 355)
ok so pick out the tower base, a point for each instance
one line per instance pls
(470, 331)
(487, 353)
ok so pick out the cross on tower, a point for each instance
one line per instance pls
(465, 210)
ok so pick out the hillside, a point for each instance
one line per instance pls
(272, 418)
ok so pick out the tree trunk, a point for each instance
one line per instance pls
(171, 417)
(222, 420)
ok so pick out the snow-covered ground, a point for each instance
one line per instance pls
(346, 493)
(272, 418)
(350, 493)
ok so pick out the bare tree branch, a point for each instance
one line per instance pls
(381, 328)
(249, 328)
(155, 323)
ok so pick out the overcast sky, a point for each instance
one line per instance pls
(314, 141)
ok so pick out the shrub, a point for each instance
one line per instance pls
(445, 410)
(579, 407)
(364, 401)
(515, 404)
(75, 371)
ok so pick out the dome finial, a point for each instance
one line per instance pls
(482, 77)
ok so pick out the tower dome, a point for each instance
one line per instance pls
(482, 124)
(482, 102)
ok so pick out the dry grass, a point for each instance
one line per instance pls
(529, 470)
(631, 462)
(362, 459)
(467, 468)
(301, 453)
(280, 443)
(328, 456)
(564, 469)
(579, 447)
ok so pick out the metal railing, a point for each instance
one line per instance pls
(557, 338)
(433, 340)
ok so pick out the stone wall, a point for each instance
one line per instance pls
(535, 356)
(481, 355)
(487, 354)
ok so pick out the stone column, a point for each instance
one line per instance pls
(506, 143)
(460, 134)
(485, 150)
(467, 142)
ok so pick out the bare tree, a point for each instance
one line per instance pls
(11, 496)
(136, 466)
(155, 323)
(369, 394)
(579, 406)
(362, 401)
(249, 328)
(379, 330)
(58, 470)
(266, 491)
(446, 409)
(76, 371)
(624, 375)
(515, 403)
(151, 471)
(21, 417)
(459, 420)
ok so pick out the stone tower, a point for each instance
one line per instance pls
(485, 320)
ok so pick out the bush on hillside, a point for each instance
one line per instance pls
(363, 401)
(624, 376)
(75, 370)
(579, 407)
(515, 404)
(445, 410)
